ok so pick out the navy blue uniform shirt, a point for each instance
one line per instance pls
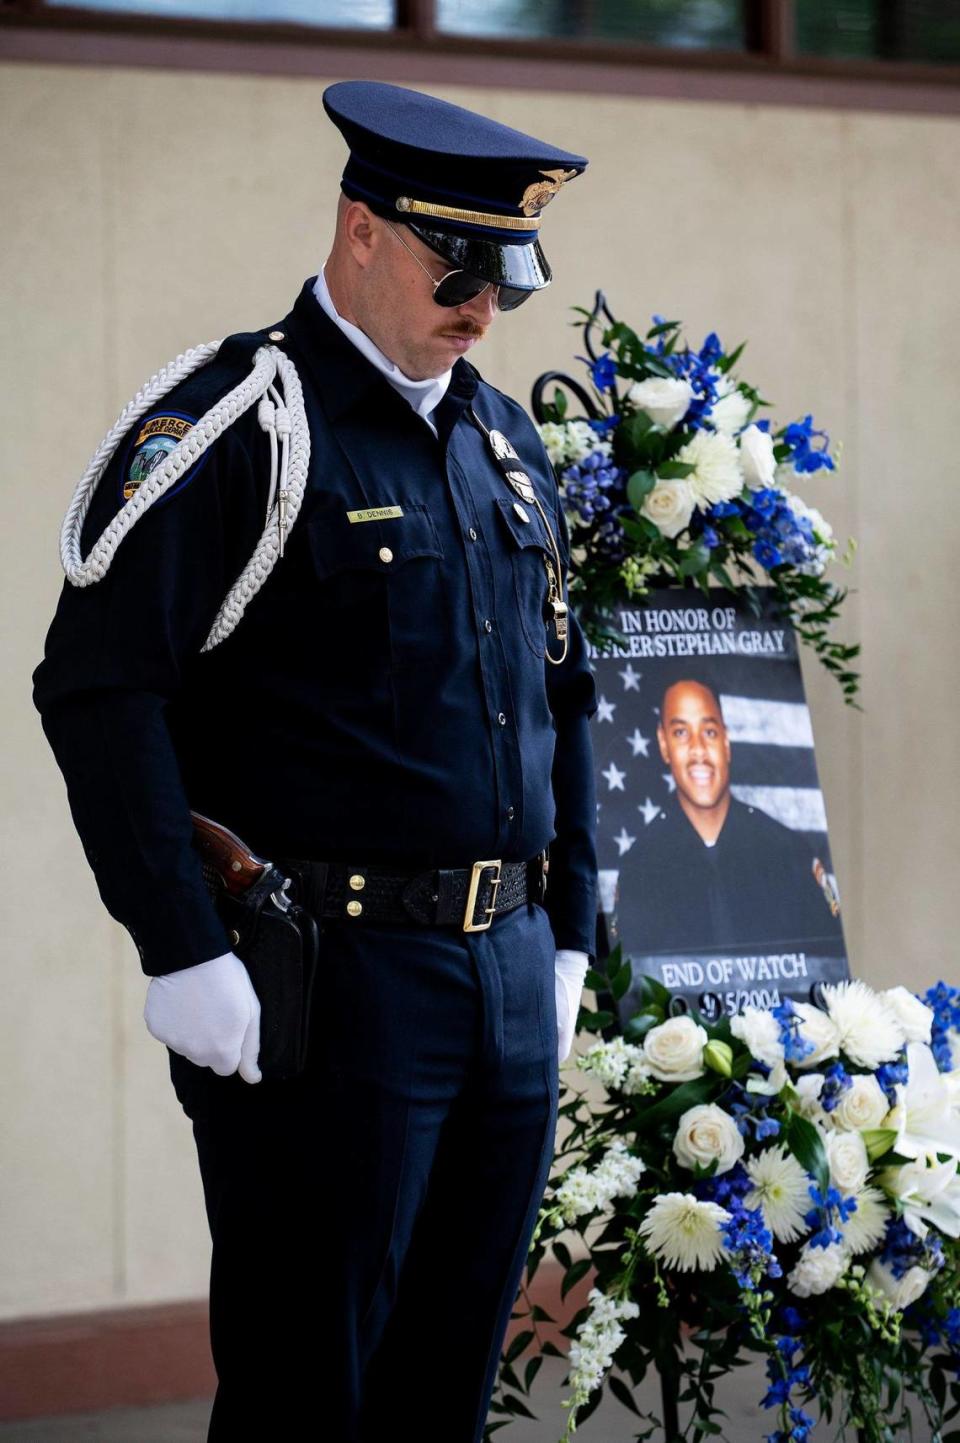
(362, 710)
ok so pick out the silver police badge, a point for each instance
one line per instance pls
(501, 447)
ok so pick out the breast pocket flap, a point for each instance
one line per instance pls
(523, 533)
(339, 544)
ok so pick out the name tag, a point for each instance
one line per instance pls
(375, 513)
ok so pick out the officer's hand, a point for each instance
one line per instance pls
(210, 1014)
(571, 968)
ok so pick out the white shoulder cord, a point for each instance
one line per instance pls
(282, 416)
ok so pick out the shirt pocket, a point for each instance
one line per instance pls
(382, 583)
(528, 547)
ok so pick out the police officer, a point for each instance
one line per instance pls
(403, 697)
(711, 871)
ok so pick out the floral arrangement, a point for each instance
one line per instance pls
(783, 1183)
(668, 479)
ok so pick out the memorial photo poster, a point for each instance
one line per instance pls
(715, 868)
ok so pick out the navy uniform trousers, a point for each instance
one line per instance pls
(371, 1219)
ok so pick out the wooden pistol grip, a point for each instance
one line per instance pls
(238, 867)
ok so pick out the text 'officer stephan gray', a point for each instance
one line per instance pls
(316, 594)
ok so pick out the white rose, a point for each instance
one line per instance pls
(862, 1105)
(817, 1269)
(901, 1292)
(847, 1156)
(674, 1050)
(706, 1133)
(669, 506)
(915, 1018)
(756, 457)
(665, 401)
(816, 1027)
(729, 412)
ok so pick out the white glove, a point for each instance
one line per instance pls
(210, 1014)
(571, 968)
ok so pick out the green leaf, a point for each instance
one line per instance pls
(637, 427)
(531, 1370)
(560, 403)
(518, 1344)
(573, 1275)
(697, 558)
(674, 470)
(640, 484)
(806, 1144)
(688, 1094)
(622, 1394)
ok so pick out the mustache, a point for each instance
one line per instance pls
(465, 328)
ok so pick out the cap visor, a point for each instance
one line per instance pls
(524, 266)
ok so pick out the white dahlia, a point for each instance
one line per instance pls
(914, 1016)
(717, 473)
(867, 1027)
(759, 1031)
(818, 1269)
(865, 1228)
(684, 1231)
(731, 408)
(781, 1189)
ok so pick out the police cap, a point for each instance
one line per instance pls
(471, 188)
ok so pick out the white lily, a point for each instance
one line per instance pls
(923, 1115)
(929, 1192)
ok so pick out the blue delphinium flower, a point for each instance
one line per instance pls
(719, 509)
(587, 482)
(696, 367)
(750, 1247)
(795, 1047)
(727, 1188)
(903, 1250)
(798, 437)
(749, 1109)
(828, 1209)
(889, 1074)
(603, 371)
(944, 1002)
(603, 425)
(836, 1081)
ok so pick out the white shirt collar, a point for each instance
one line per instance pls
(423, 396)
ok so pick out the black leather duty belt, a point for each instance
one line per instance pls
(469, 896)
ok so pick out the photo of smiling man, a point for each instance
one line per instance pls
(715, 871)
(712, 871)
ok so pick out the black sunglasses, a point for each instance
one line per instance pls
(458, 287)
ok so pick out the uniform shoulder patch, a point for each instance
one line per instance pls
(151, 441)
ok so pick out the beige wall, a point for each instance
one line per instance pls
(147, 212)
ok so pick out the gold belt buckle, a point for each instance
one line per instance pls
(468, 923)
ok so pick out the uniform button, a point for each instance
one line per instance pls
(501, 718)
(510, 812)
(385, 553)
(472, 534)
(488, 624)
(275, 336)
